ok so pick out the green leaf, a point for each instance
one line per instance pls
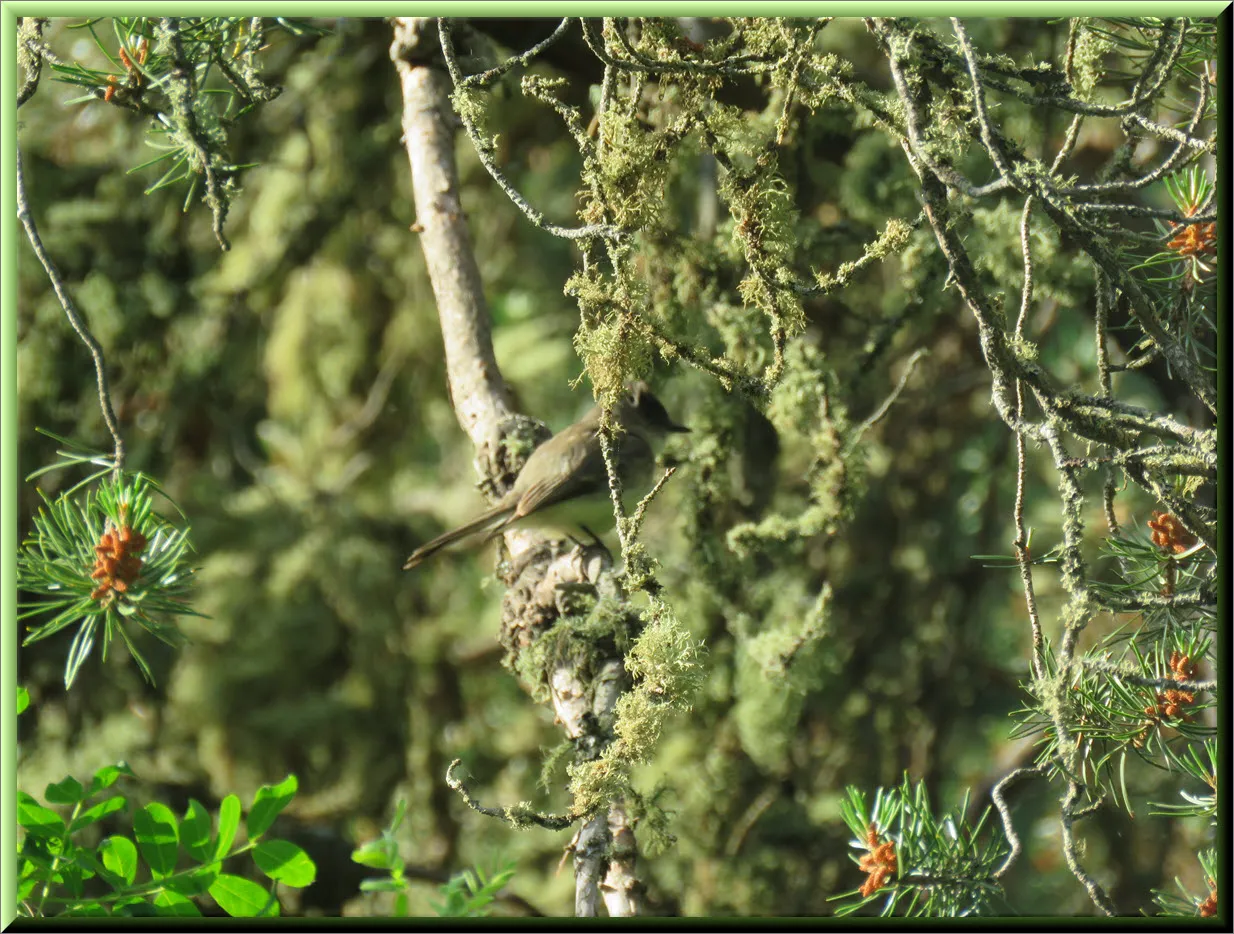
(285, 862)
(383, 884)
(377, 854)
(107, 776)
(154, 826)
(197, 882)
(79, 651)
(267, 803)
(37, 819)
(175, 905)
(98, 812)
(23, 699)
(195, 832)
(92, 860)
(136, 908)
(66, 791)
(74, 874)
(119, 856)
(229, 821)
(25, 887)
(243, 898)
(86, 910)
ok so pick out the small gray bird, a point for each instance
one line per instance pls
(564, 484)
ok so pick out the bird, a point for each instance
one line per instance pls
(564, 484)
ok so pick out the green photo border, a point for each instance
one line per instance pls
(552, 8)
(9, 463)
(8, 470)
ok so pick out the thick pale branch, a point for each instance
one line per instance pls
(479, 395)
(585, 704)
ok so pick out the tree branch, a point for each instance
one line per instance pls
(75, 319)
(479, 394)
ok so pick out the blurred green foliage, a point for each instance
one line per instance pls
(290, 395)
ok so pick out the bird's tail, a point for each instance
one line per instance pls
(491, 521)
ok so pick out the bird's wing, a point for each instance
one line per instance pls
(579, 469)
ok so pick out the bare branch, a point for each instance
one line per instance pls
(478, 392)
(997, 793)
(887, 403)
(75, 319)
(1070, 815)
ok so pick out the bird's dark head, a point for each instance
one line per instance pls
(643, 407)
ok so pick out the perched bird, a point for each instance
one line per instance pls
(564, 484)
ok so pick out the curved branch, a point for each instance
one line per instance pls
(519, 816)
(75, 319)
(485, 154)
(487, 78)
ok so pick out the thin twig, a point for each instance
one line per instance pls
(898, 48)
(70, 310)
(756, 809)
(635, 521)
(979, 107)
(1070, 815)
(1175, 159)
(1186, 461)
(517, 816)
(638, 62)
(484, 150)
(887, 403)
(873, 252)
(1073, 134)
(1137, 210)
(1101, 322)
(1026, 290)
(610, 454)
(1023, 556)
(487, 78)
(1074, 577)
(1004, 812)
(374, 402)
